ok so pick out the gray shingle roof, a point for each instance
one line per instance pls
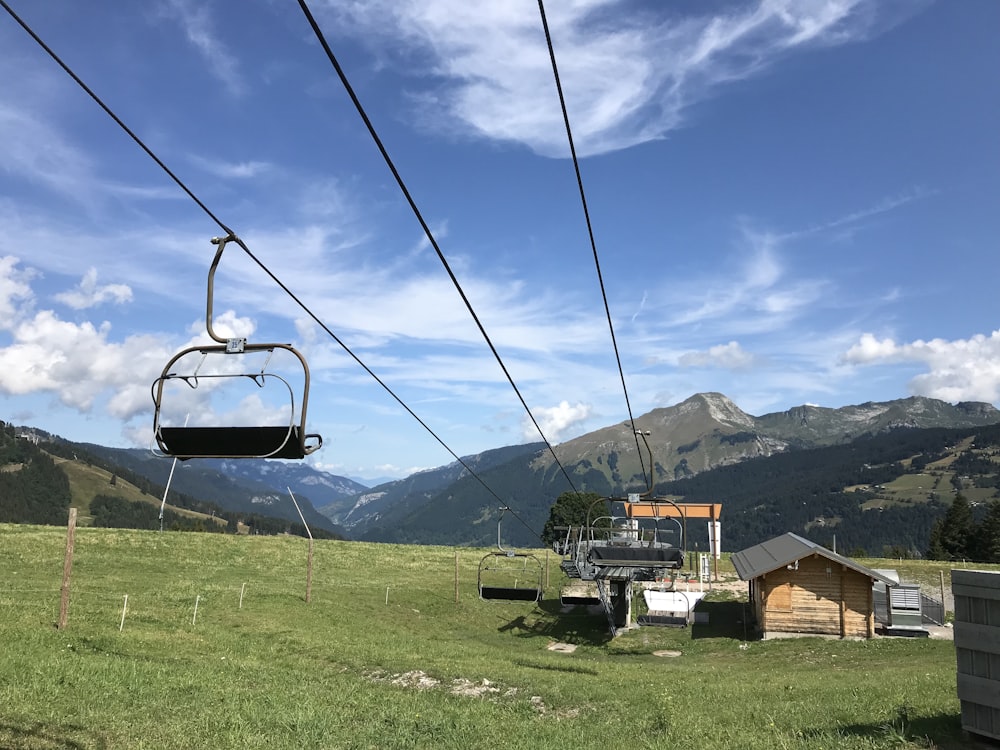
(785, 549)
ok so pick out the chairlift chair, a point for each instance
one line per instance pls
(509, 575)
(287, 440)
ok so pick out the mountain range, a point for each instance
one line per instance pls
(702, 434)
(797, 470)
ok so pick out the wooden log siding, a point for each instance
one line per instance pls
(821, 596)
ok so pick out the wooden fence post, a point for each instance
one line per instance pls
(67, 570)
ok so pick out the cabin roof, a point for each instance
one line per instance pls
(775, 553)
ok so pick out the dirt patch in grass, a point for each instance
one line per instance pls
(486, 689)
(562, 648)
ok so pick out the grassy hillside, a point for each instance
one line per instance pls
(88, 481)
(384, 657)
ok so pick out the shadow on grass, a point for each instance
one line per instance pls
(943, 731)
(38, 734)
(579, 625)
(725, 620)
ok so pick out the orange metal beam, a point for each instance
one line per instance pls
(652, 509)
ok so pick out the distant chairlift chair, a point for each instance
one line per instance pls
(267, 441)
(508, 575)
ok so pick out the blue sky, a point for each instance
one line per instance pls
(793, 202)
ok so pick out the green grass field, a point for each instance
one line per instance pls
(384, 657)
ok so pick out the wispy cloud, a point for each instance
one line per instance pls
(198, 26)
(15, 290)
(887, 204)
(39, 153)
(232, 170)
(755, 292)
(629, 77)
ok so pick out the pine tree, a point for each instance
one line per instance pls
(956, 529)
(985, 543)
(935, 550)
(569, 509)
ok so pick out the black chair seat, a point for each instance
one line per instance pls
(510, 594)
(655, 556)
(231, 442)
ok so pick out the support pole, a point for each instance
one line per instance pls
(309, 564)
(170, 478)
(944, 608)
(843, 601)
(67, 570)
(717, 551)
(456, 576)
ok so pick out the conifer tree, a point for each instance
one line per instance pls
(985, 543)
(951, 536)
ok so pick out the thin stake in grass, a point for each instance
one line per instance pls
(242, 589)
(121, 625)
(194, 618)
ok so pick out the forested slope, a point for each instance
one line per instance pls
(32, 488)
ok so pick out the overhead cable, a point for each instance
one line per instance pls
(427, 230)
(590, 232)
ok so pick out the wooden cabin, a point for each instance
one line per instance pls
(799, 587)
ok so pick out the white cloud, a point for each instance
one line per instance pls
(76, 362)
(227, 325)
(628, 76)
(871, 350)
(959, 370)
(89, 294)
(555, 420)
(729, 356)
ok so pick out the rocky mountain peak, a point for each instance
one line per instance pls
(721, 409)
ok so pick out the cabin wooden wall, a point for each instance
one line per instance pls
(821, 596)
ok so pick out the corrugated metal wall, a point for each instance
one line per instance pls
(977, 649)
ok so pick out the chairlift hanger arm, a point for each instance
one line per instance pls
(221, 243)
